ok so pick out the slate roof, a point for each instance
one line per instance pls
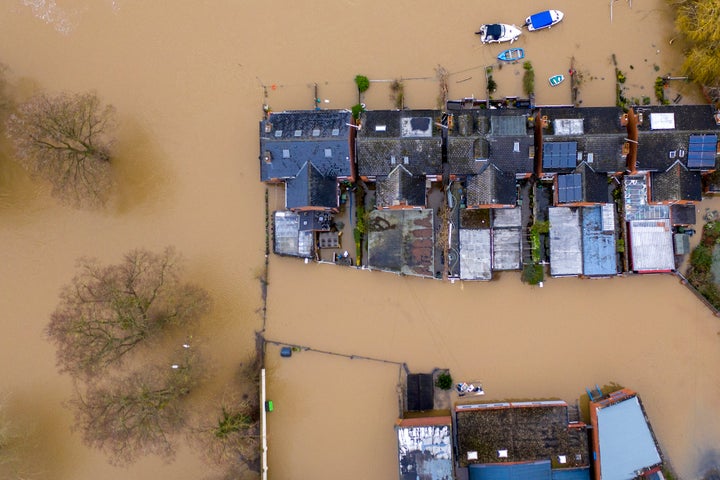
(682, 214)
(310, 188)
(687, 117)
(290, 139)
(400, 187)
(658, 150)
(594, 184)
(491, 187)
(677, 183)
(596, 120)
(467, 155)
(391, 137)
(512, 154)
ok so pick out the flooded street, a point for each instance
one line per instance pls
(188, 80)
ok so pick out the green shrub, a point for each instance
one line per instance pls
(357, 109)
(528, 78)
(362, 82)
(444, 381)
(701, 258)
(533, 273)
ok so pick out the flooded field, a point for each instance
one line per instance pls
(188, 80)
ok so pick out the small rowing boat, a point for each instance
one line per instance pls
(511, 55)
(556, 80)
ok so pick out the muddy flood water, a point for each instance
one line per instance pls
(188, 80)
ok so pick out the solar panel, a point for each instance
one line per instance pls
(559, 155)
(702, 150)
(569, 188)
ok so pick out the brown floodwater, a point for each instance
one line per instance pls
(188, 80)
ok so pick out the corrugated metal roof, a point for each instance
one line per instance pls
(517, 471)
(506, 249)
(571, 473)
(475, 254)
(626, 443)
(508, 125)
(426, 449)
(507, 217)
(565, 241)
(652, 245)
(599, 253)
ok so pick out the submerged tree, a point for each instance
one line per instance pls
(138, 414)
(107, 311)
(66, 140)
(696, 20)
(230, 439)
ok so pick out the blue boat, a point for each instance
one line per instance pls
(511, 55)
(545, 19)
(556, 80)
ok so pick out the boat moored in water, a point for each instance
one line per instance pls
(545, 19)
(511, 55)
(498, 32)
(556, 80)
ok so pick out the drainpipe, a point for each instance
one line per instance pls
(538, 140)
(632, 138)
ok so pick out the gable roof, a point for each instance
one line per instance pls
(290, 139)
(310, 188)
(491, 187)
(677, 183)
(400, 188)
(512, 154)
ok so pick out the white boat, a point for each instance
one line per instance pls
(498, 32)
(469, 389)
(545, 19)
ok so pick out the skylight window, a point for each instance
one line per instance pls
(286, 153)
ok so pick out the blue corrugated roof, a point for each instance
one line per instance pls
(626, 443)
(560, 155)
(514, 471)
(570, 188)
(701, 151)
(599, 257)
(571, 474)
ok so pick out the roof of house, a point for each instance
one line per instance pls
(400, 187)
(559, 155)
(425, 450)
(512, 154)
(684, 117)
(467, 155)
(491, 187)
(402, 241)
(677, 183)
(651, 245)
(540, 470)
(599, 252)
(475, 254)
(595, 120)
(565, 241)
(525, 431)
(682, 214)
(510, 124)
(391, 137)
(507, 217)
(290, 139)
(506, 248)
(288, 239)
(310, 188)
(626, 441)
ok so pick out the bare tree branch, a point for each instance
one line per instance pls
(136, 415)
(107, 311)
(66, 140)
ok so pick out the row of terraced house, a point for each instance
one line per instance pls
(466, 192)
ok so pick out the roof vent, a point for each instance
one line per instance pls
(516, 147)
(590, 157)
(406, 160)
(681, 153)
(392, 159)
